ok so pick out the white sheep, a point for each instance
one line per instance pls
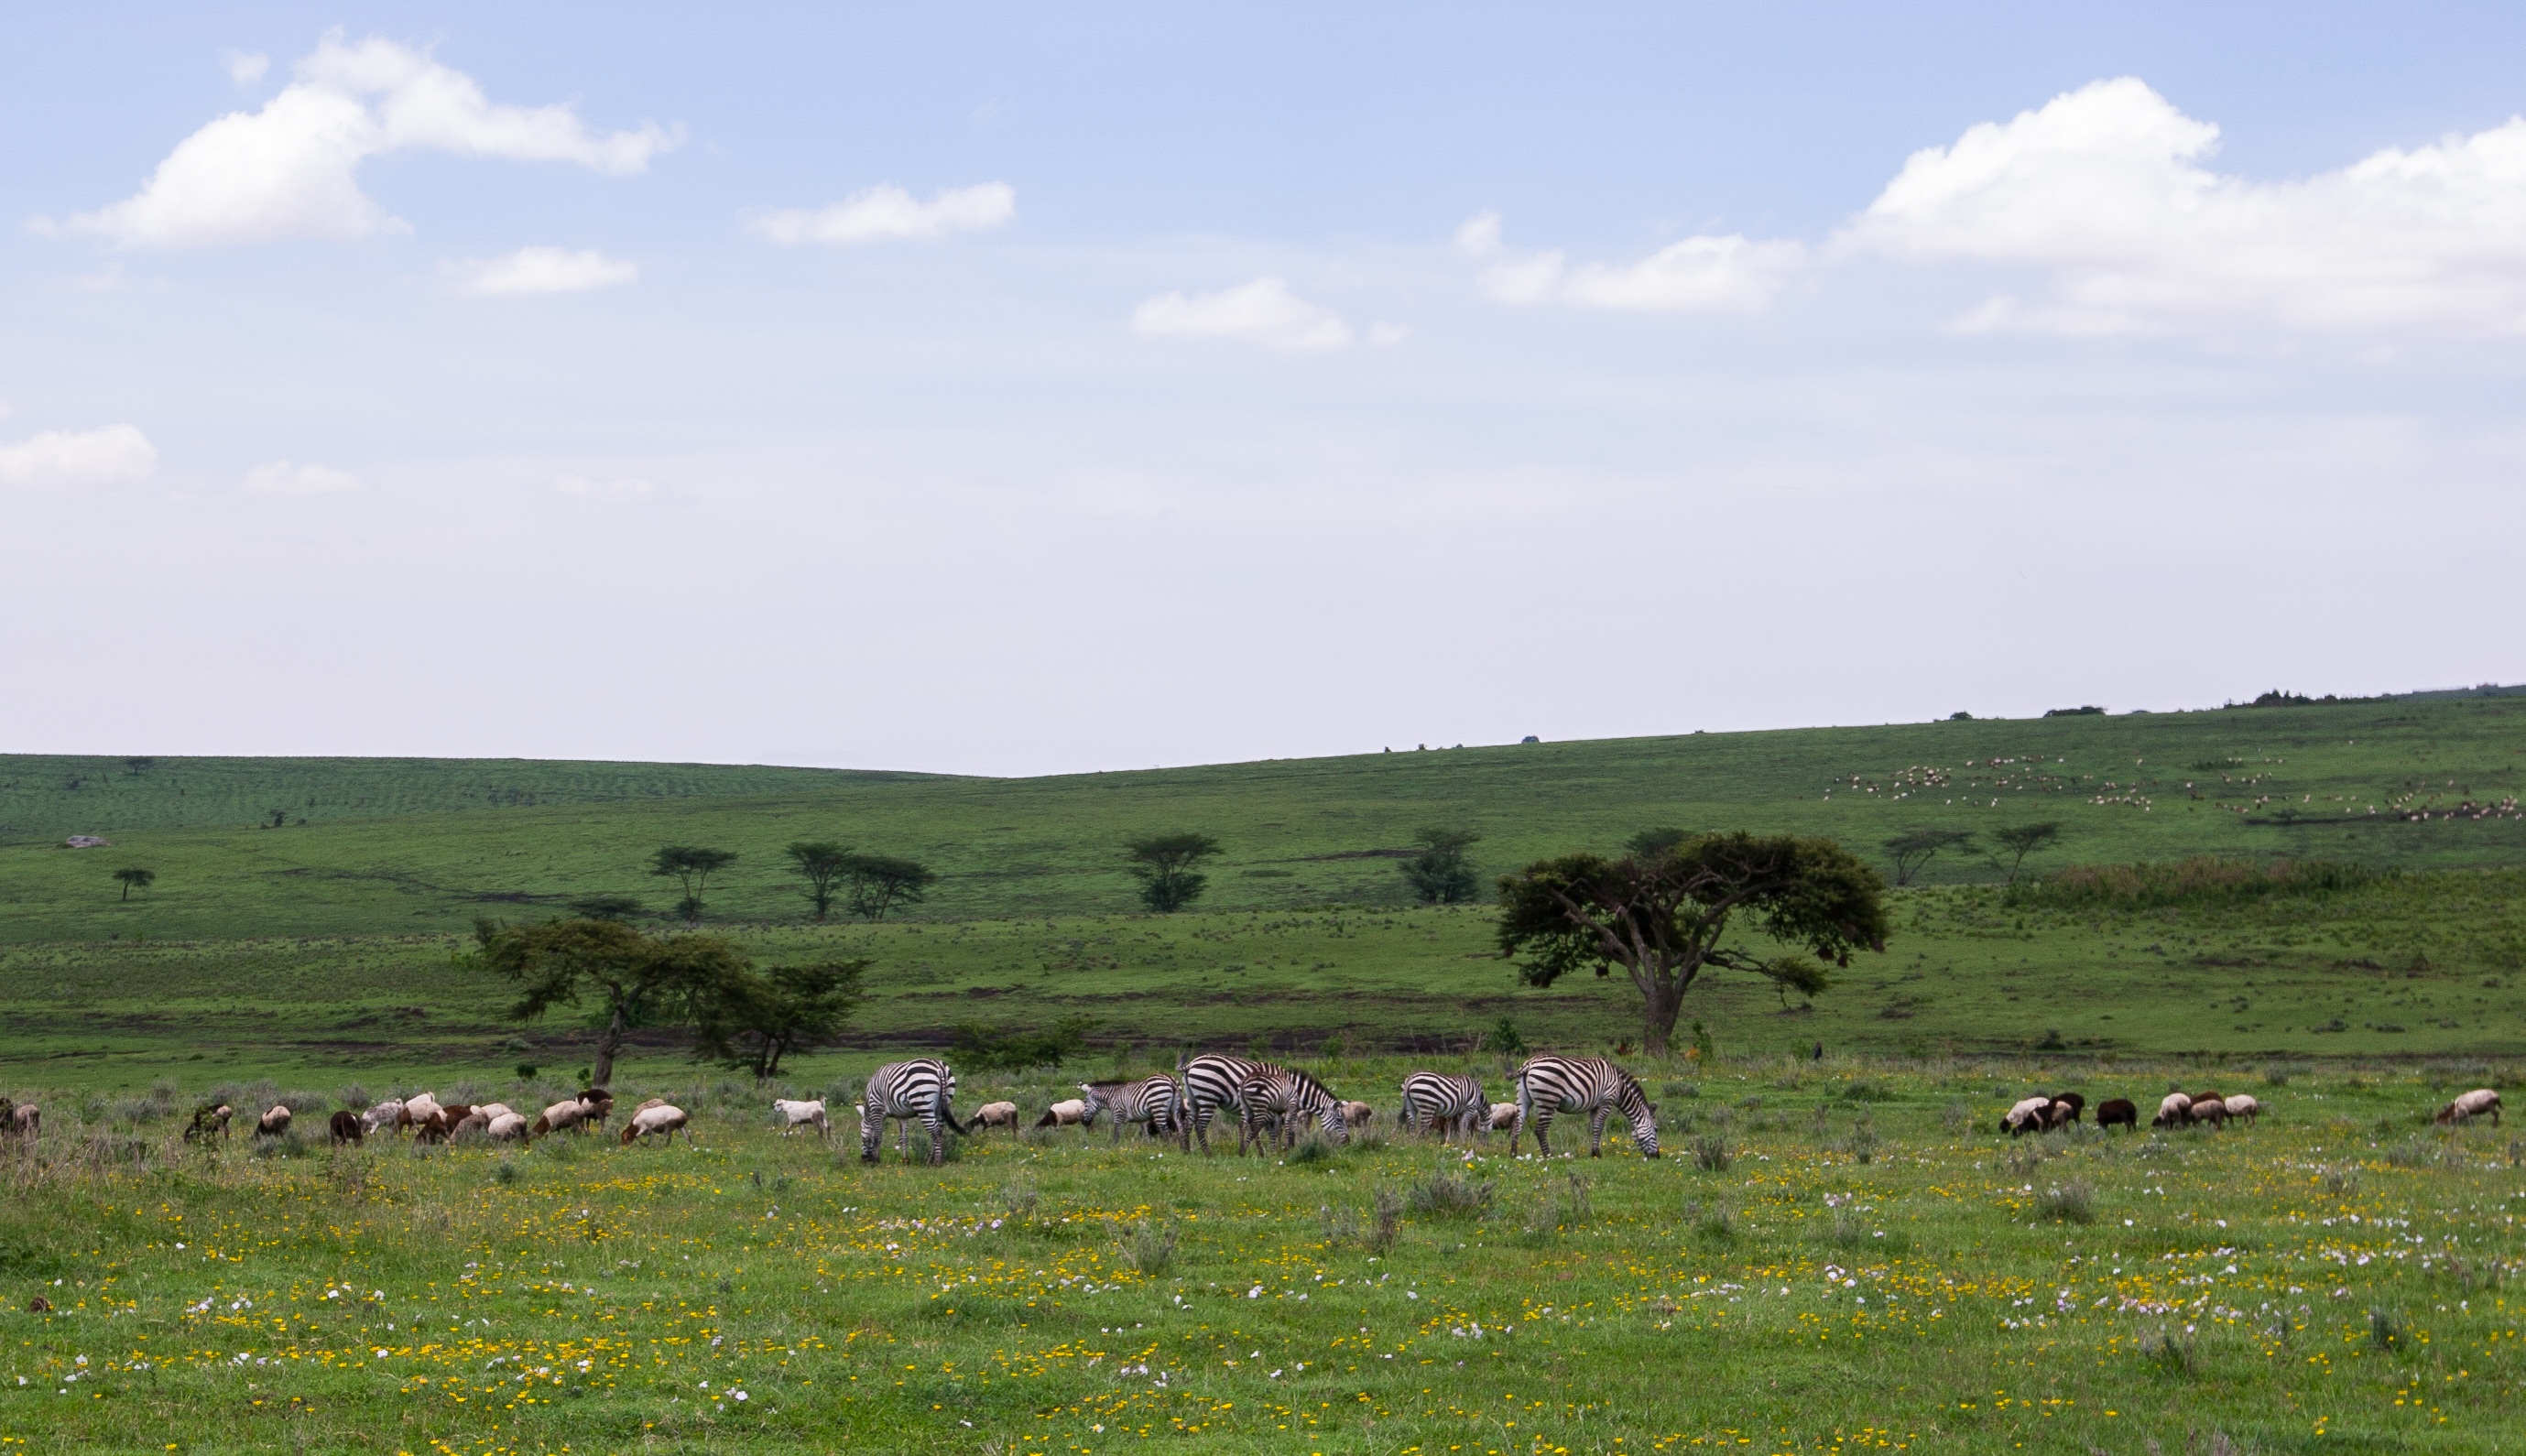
(2028, 1116)
(560, 1117)
(418, 1110)
(803, 1113)
(1356, 1114)
(1503, 1118)
(2472, 1105)
(1069, 1113)
(274, 1122)
(2239, 1105)
(508, 1126)
(2173, 1112)
(661, 1119)
(381, 1116)
(996, 1115)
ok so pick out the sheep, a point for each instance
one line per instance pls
(2073, 1101)
(996, 1115)
(660, 1119)
(345, 1127)
(2472, 1105)
(560, 1117)
(2118, 1112)
(1504, 1118)
(493, 1111)
(207, 1123)
(803, 1113)
(387, 1116)
(26, 1121)
(2058, 1114)
(2026, 1117)
(2239, 1105)
(473, 1121)
(2173, 1112)
(1356, 1115)
(508, 1126)
(2212, 1111)
(652, 1102)
(1066, 1114)
(600, 1106)
(417, 1110)
(274, 1123)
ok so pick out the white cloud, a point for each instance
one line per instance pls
(291, 169)
(1705, 274)
(1386, 335)
(634, 487)
(246, 68)
(887, 211)
(1263, 312)
(288, 477)
(57, 457)
(537, 271)
(2105, 188)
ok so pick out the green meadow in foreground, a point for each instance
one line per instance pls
(1836, 1256)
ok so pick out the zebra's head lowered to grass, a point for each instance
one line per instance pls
(1642, 1113)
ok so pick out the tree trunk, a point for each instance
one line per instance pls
(1662, 997)
(607, 1041)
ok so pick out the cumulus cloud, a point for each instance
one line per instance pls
(887, 211)
(1706, 273)
(291, 169)
(1263, 312)
(537, 271)
(2106, 188)
(90, 457)
(289, 477)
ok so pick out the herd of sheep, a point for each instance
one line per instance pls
(432, 1121)
(2044, 1111)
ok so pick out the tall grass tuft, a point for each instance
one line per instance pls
(1152, 1248)
(2199, 883)
(2170, 1351)
(1386, 1221)
(2072, 1202)
(1712, 1155)
(2383, 1334)
(1449, 1194)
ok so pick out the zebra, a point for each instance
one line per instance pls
(1433, 1100)
(923, 1088)
(1549, 1084)
(1151, 1101)
(1290, 1098)
(1210, 1083)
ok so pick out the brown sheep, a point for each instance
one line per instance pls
(2214, 1112)
(274, 1123)
(345, 1127)
(2118, 1112)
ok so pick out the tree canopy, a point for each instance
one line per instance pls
(134, 878)
(1164, 864)
(821, 863)
(692, 865)
(637, 979)
(882, 881)
(764, 1017)
(1915, 850)
(1662, 917)
(1441, 873)
(2021, 840)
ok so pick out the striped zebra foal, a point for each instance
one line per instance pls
(1290, 1098)
(1151, 1101)
(1437, 1101)
(1548, 1086)
(1210, 1083)
(919, 1088)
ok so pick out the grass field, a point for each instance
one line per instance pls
(1872, 1269)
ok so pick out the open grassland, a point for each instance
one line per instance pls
(2413, 785)
(2416, 964)
(1832, 1256)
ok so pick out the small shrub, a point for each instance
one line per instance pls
(505, 1172)
(1152, 1248)
(2412, 1154)
(1310, 1152)
(1504, 1039)
(1573, 1206)
(1712, 1155)
(2341, 1182)
(2276, 1076)
(1709, 1220)
(1862, 1142)
(2073, 1202)
(1846, 1229)
(1680, 1089)
(2170, 1351)
(2382, 1333)
(1341, 1225)
(1955, 1116)
(1019, 1196)
(1447, 1195)
(1386, 1226)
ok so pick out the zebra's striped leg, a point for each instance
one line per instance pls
(937, 1138)
(872, 1132)
(1542, 1126)
(1597, 1133)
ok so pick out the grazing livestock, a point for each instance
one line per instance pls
(2071, 1100)
(1150, 1102)
(2026, 1117)
(2174, 1112)
(385, 1117)
(417, 1110)
(1072, 1112)
(1442, 1103)
(493, 1110)
(1504, 1117)
(661, 1119)
(508, 1126)
(207, 1123)
(600, 1107)
(2472, 1105)
(923, 1087)
(996, 1115)
(2057, 1115)
(652, 1102)
(2212, 1111)
(796, 1115)
(2118, 1112)
(1357, 1114)
(345, 1127)
(473, 1120)
(274, 1123)
(560, 1117)
(2239, 1105)
(26, 1122)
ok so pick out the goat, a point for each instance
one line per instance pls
(2118, 1112)
(996, 1115)
(274, 1123)
(803, 1113)
(2239, 1105)
(1073, 1112)
(2173, 1112)
(2026, 1117)
(345, 1127)
(2472, 1105)
(387, 1116)
(508, 1126)
(660, 1119)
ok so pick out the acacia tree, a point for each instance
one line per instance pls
(822, 864)
(134, 878)
(1164, 864)
(1915, 850)
(637, 979)
(692, 866)
(762, 1017)
(1440, 874)
(1662, 917)
(882, 881)
(2023, 840)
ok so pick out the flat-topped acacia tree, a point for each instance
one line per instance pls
(1661, 912)
(641, 981)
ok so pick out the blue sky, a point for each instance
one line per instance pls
(1026, 388)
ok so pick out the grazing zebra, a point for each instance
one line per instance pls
(923, 1088)
(1289, 1098)
(1549, 1084)
(1210, 1083)
(1436, 1101)
(1150, 1100)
